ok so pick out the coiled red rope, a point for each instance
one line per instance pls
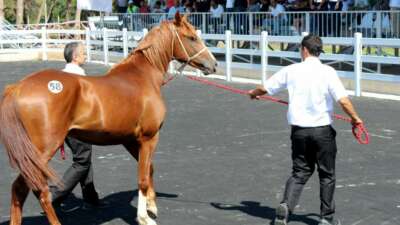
(62, 151)
(359, 130)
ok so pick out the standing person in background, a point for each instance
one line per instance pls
(216, 13)
(241, 25)
(170, 4)
(122, 6)
(157, 8)
(278, 18)
(313, 88)
(229, 6)
(319, 18)
(144, 8)
(81, 170)
(395, 18)
(334, 18)
(188, 7)
(202, 5)
(132, 8)
(176, 8)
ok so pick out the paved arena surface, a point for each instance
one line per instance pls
(223, 160)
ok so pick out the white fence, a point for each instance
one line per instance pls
(108, 46)
(379, 24)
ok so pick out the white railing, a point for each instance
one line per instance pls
(110, 46)
(6, 26)
(379, 24)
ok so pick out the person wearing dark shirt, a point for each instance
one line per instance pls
(203, 5)
(241, 24)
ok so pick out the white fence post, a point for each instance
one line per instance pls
(125, 41)
(105, 45)
(44, 45)
(228, 54)
(264, 56)
(88, 54)
(198, 72)
(357, 63)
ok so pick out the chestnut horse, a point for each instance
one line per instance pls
(123, 107)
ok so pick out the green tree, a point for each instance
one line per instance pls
(20, 12)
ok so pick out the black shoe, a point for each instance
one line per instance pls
(281, 214)
(325, 221)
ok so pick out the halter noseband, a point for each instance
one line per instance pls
(189, 58)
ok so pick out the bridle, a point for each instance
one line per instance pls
(189, 58)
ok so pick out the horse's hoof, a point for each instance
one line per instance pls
(146, 221)
(152, 211)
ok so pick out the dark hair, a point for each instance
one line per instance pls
(70, 50)
(313, 44)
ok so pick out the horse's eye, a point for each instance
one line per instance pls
(193, 38)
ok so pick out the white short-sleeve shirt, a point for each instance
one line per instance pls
(73, 68)
(313, 87)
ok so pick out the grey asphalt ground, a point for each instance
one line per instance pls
(223, 160)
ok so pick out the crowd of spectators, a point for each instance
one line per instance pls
(216, 8)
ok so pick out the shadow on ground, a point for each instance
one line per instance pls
(255, 209)
(119, 207)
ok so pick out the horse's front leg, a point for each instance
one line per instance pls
(151, 196)
(147, 147)
(20, 191)
(133, 149)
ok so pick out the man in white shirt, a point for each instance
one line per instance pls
(313, 87)
(81, 170)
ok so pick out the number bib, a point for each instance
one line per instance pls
(55, 86)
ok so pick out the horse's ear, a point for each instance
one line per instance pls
(178, 19)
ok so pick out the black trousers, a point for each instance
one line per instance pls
(81, 171)
(313, 147)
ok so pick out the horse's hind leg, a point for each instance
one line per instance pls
(133, 149)
(44, 198)
(44, 195)
(19, 192)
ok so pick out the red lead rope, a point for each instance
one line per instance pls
(359, 130)
(62, 151)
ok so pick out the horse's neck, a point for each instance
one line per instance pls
(154, 54)
(137, 66)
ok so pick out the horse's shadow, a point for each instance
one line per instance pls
(119, 208)
(255, 209)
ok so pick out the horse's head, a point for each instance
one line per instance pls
(189, 48)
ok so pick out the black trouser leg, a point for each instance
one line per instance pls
(303, 160)
(326, 158)
(312, 146)
(79, 172)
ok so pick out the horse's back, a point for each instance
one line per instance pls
(45, 101)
